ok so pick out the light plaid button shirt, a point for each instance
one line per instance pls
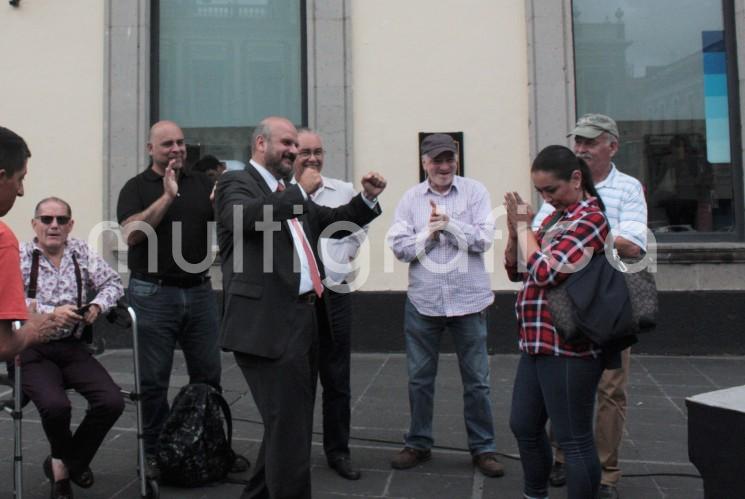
(625, 207)
(447, 277)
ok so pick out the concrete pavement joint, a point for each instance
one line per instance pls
(706, 377)
(124, 489)
(373, 378)
(477, 491)
(664, 392)
(388, 481)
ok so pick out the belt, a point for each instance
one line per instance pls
(310, 298)
(187, 281)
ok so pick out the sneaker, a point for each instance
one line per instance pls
(488, 464)
(408, 458)
(608, 492)
(558, 476)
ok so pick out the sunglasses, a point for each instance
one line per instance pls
(48, 219)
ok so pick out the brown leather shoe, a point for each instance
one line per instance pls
(408, 458)
(558, 476)
(488, 464)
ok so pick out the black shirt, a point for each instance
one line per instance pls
(192, 207)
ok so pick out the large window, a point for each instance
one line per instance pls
(665, 71)
(219, 66)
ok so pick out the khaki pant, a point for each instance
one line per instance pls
(610, 419)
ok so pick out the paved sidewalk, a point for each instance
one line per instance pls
(655, 444)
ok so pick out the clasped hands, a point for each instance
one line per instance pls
(438, 221)
(67, 315)
(42, 326)
(519, 213)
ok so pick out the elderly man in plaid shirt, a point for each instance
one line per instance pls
(441, 229)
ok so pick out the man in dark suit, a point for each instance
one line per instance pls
(268, 234)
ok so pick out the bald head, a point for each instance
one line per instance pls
(274, 145)
(166, 145)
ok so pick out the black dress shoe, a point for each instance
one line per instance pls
(240, 464)
(61, 489)
(84, 479)
(47, 467)
(558, 476)
(343, 466)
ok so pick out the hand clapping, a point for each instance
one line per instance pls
(438, 221)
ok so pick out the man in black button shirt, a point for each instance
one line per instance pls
(164, 212)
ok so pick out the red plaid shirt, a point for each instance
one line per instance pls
(581, 227)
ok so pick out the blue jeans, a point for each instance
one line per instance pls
(561, 389)
(423, 335)
(168, 315)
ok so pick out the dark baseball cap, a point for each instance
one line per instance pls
(438, 143)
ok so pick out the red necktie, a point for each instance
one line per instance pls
(315, 275)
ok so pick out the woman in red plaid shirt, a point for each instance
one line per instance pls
(555, 380)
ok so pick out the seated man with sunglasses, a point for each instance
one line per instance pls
(65, 277)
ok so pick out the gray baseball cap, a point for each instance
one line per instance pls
(438, 143)
(592, 125)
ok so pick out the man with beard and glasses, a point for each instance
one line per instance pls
(173, 299)
(275, 302)
(596, 140)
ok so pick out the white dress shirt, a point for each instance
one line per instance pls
(337, 254)
(306, 284)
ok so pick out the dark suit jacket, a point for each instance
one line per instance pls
(259, 303)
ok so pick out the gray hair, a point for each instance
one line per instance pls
(262, 130)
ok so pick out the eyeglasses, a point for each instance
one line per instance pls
(48, 219)
(306, 153)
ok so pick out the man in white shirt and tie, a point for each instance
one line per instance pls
(334, 350)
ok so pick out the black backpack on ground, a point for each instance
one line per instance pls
(193, 448)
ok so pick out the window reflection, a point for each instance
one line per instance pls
(663, 78)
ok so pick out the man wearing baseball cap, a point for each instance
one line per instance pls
(441, 229)
(596, 141)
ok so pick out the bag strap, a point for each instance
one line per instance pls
(31, 293)
(87, 334)
(215, 395)
(78, 280)
(226, 412)
(555, 217)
